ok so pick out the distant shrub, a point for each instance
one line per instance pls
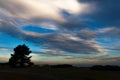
(106, 67)
(97, 67)
(46, 65)
(62, 66)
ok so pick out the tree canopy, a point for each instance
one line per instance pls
(21, 57)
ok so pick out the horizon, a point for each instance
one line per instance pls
(85, 32)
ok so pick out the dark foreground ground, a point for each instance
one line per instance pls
(47, 73)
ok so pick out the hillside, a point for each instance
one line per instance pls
(48, 73)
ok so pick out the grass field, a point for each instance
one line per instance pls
(47, 73)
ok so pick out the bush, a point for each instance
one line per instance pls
(106, 67)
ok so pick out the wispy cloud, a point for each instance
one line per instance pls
(63, 42)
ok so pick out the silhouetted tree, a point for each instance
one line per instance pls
(21, 57)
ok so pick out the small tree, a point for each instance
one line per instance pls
(21, 57)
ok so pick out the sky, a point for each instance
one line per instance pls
(84, 32)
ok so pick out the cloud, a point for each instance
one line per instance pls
(60, 41)
(86, 34)
(43, 9)
(107, 29)
(45, 13)
(10, 28)
(3, 58)
(68, 43)
(49, 25)
(105, 11)
(96, 59)
(52, 53)
(71, 25)
(110, 31)
(3, 54)
(6, 49)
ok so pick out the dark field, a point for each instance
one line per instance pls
(47, 73)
